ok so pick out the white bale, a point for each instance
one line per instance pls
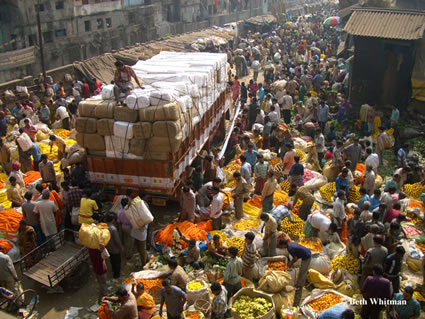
(162, 97)
(138, 99)
(123, 129)
(107, 92)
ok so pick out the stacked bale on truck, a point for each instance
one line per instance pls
(165, 123)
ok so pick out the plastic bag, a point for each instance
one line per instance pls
(94, 236)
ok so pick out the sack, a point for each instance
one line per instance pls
(273, 281)
(80, 139)
(75, 154)
(24, 142)
(88, 106)
(166, 128)
(8, 95)
(321, 263)
(138, 213)
(165, 144)
(142, 130)
(105, 127)
(105, 110)
(117, 144)
(125, 114)
(123, 129)
(107, 92)
(167, 112)
(137, 147)
(94, 142)
(318, 280)
(40, 136)
(94, 236)
(86, 125)
(317, 182)
(200, 294)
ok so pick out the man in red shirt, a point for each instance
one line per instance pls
(85, 90)
(122, 79)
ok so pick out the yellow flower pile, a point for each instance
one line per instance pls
(280, 198)
(312, 244)
(69, 142)
(285, 185)
(3, 178)
(238, 242)
(45, 149)
(62, 133)
(327, 191)
(294, 228)
(195, 285)
(414, 190)
(232, 167)
(301, 155)
(231, 184)
(219, 233)
(327, 301)
(4, 202)
(354, 195)
(421, 247)
(347, 262)
(246, 224)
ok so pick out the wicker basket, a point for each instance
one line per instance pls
(155, 292)
(202, 306)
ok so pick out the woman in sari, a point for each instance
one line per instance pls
(27, 240)
(145, 302)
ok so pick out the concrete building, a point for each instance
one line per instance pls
(75, 30)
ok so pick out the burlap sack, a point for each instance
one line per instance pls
(125, 114)
(105, 127)
(142, 130)
(94, 142)
(80, 139)
(88, 106)
(137, 147)
(165, 144)
(166, 128)
(105, 110)
(167, 112)
(86, 125)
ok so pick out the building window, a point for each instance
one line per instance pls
(48, 36)
(60, 5)
(40, 7)
(32, 40)
(87, 26)
(85, 1)
(108, 22)
(60, 33)
(99, 23)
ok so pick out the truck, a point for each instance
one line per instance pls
(163, 178)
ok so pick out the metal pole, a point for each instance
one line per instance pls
(40, 37)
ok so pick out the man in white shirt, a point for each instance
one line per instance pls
(216, 207)
(274, 117)
(287, 104)
(372, 160)
(339, 210)
(63, 116)
(140, 238)
(369, 180)
(246, 170)
(276, 107)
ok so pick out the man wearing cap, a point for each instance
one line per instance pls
(46, 209)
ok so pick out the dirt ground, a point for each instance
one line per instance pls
(80, 290)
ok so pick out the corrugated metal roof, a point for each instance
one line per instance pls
(391, 24)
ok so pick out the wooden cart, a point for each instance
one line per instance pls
(54, 260)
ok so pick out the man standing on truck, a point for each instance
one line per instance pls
(122, 79)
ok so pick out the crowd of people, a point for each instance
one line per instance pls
(303, 94)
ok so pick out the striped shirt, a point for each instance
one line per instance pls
(219, 303)
(249, 254)
(260, 169)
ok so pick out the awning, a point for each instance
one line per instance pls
(387, 23)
